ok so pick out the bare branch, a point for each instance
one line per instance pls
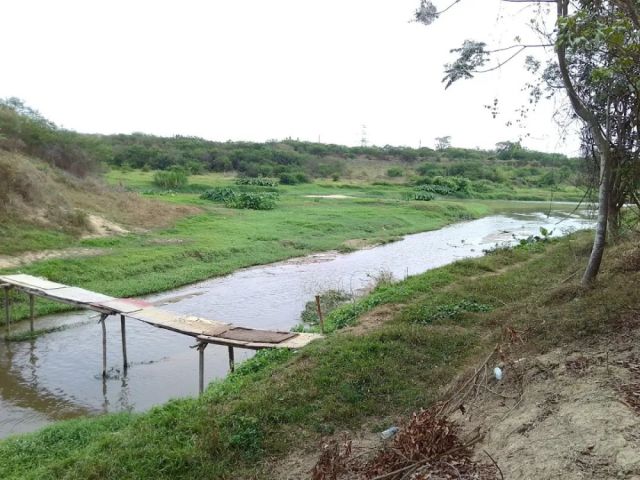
(500, 64)
(511, 47)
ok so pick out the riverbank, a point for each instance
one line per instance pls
(399, 355)
(220, 240)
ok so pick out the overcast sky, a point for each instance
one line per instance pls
(260, 70)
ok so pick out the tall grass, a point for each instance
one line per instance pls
(171, 179)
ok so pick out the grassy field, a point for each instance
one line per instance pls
(356, 378)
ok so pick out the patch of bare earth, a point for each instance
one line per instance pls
(35, 193)
(128, 210)
(573, 413)
(564, 414)
(101, 227)
(374, 319)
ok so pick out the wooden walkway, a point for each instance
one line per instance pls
(204, 331)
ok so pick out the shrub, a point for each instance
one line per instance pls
(395, 172)
(437, 189)
(424, 196)
(293, 178)
(257, 181)
(195, 168)
(459, 186)
(253, 201)
(171, 179)
(430, 169)
(218, 194)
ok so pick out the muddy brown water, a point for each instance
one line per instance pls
(58, 375)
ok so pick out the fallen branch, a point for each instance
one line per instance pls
(495, 463)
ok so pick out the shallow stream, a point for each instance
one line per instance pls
(58, 375)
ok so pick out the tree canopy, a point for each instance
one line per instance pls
(597, 65)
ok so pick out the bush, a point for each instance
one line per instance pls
(395, 172)
(293, 178)
(437, 189)
(430, 169)
(459, 186)
(218, 194)
(424, 196)
(257, 181)
(253, 201)
(234, 199)
(171, 179)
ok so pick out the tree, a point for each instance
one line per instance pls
(506, 150)
(597, 62)
(442, 143)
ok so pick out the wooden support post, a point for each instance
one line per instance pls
(103, 317)
(232, 362)
(31, 311)
(201, 346)
(124, 342)
(7, 309)
(321, 320)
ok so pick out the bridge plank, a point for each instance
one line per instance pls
(205, 330)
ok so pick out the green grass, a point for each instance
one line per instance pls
(21, 238)
(280, 401)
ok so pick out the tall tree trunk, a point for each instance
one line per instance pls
(617, 195)
(604, 190)
(600, 239)
(613, 224)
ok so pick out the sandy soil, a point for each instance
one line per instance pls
(572, 419)
(101, 227)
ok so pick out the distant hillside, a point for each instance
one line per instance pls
(23, 129)
(510, 162)
(50, 188)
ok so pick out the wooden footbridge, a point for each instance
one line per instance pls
(203, 330)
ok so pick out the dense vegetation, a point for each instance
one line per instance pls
(23, 129)
(297, 162)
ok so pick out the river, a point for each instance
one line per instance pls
(58, 375)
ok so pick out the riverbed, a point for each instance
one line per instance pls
(58, 375)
